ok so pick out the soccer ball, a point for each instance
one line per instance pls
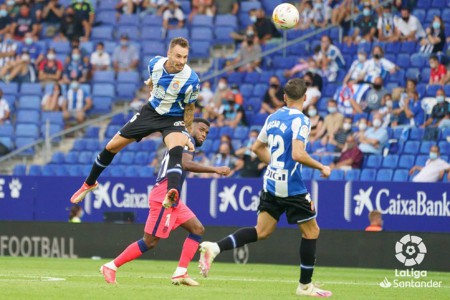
(285, 16)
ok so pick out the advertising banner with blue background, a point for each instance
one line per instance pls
(233, 202)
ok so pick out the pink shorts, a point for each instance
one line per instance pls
(161, 221)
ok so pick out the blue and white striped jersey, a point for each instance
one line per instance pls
(283, 176)
(171, 92)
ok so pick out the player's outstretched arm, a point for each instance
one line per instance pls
(260, 149)
(189, 116)
(300, 155)
(190, 165)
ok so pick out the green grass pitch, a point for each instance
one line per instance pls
(39, 278)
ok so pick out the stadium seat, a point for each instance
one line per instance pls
(35, 170)
(444, 147)
(6, 130)
(29, 102)
(251, 77)
(151, 20)
(408, 47)
(202, 21)
(153, 48)
(27, 130)
(411, 147)
(384, 175)
(128, 77)
(107, 17)
(406, 161)
(31, 89)
(201, 49)
(129, 20)
(60, 47)
(103, 77)
(103, 90)
(223, 35)
(337, 175)
(425, 147)
(431, 13)
(146, 172)
(368, 175)
(85, 157)
(57, 158)
(25, 142)
(181, 32)
(400, 175)
(352, 174)
(226, 21)
(432, 89)
(151, 34)
(107, 5)
(102, 33)
(54, 117)
(28, 117)
(307, 173)
(413, 73)
(246, 90)
(9, 88)
(52, 130)
(240, 133)
(421, 160)
(425, 77)
(374, 161)
(133, 32)
(71, 158)
(416, 134)
(101, 105)
(418, 60)
(260, 90)
(390, 161)
(92, 145)
(20, 170)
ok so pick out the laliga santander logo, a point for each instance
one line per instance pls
(410, 250)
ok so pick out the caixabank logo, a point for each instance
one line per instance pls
(410, 251)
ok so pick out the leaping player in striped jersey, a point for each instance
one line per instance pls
(161, 221)
(170, 110)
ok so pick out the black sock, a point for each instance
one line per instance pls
(308, 259)
(103, 160)
(238, 239)
(174, 169)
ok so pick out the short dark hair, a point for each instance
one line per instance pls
(100, 44)
(295, 88)
(201, 120)
(433, 57)
(333, 101)
(180, 41)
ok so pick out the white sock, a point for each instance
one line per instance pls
(111, 265)
(305, 286)
(179, 271)
(215, 249)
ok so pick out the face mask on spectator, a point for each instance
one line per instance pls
(387, 15)
(100, 51)
(436, 25)
(377, 56)
(440, 99)
(332, 109)
(28, 41)
(3, 13)
(274, 85)
(376, 123)
(253, 19)
(74, 85)
(75, 57)
(10, 2)
(312, 112)
(317, 5)
(389, 103)
(362, 126)
(222, 86)
(308, 83)
(361, 57)
(347, 126)
(406, 19)
(433, 155)
(51, 56)
(124, 43)
(366, 12)
(25, 57)
(377, 86)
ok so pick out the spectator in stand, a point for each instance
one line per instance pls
(362, 126)
(358, 69)
(8, 48)
(376, 221)
(366, 28)
(434, 168)
(222, 90)
(54, 100)
(340, 136)
(333, 121)
(249, 165)
(150, 7)
(385, 26)
(250, 49)
(227, 7)
(52, 14)
(125, 57)
(202, 7)
(434, 40)
(4, 109)
(316, 122)
(274, 97)
(309, 65)
(306, 15)
(378, 66)
(100, 59)
(342, 11)
(173, 16)
(5, 20)
(24, 23)
(206, 96)
(32, 48)
(313, 94)
(237, 94)
(71, 27)
(127, 7)
(373, 98)
(330, 58)
(322, 14)
(75, 43)
(351, 156)
(20, 70)
(374, 138)
(408, 27)
(224, 158)
(231, 114)
(438, 72)
(414, 111)
(77, 102)
(440, 112)
(50, 69)
(12, 7)
(265, 30)
(84, 13)
(226, 139)
(387, 112)
(75, 70)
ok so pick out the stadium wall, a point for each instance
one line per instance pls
(335, 248)
(406, 206)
